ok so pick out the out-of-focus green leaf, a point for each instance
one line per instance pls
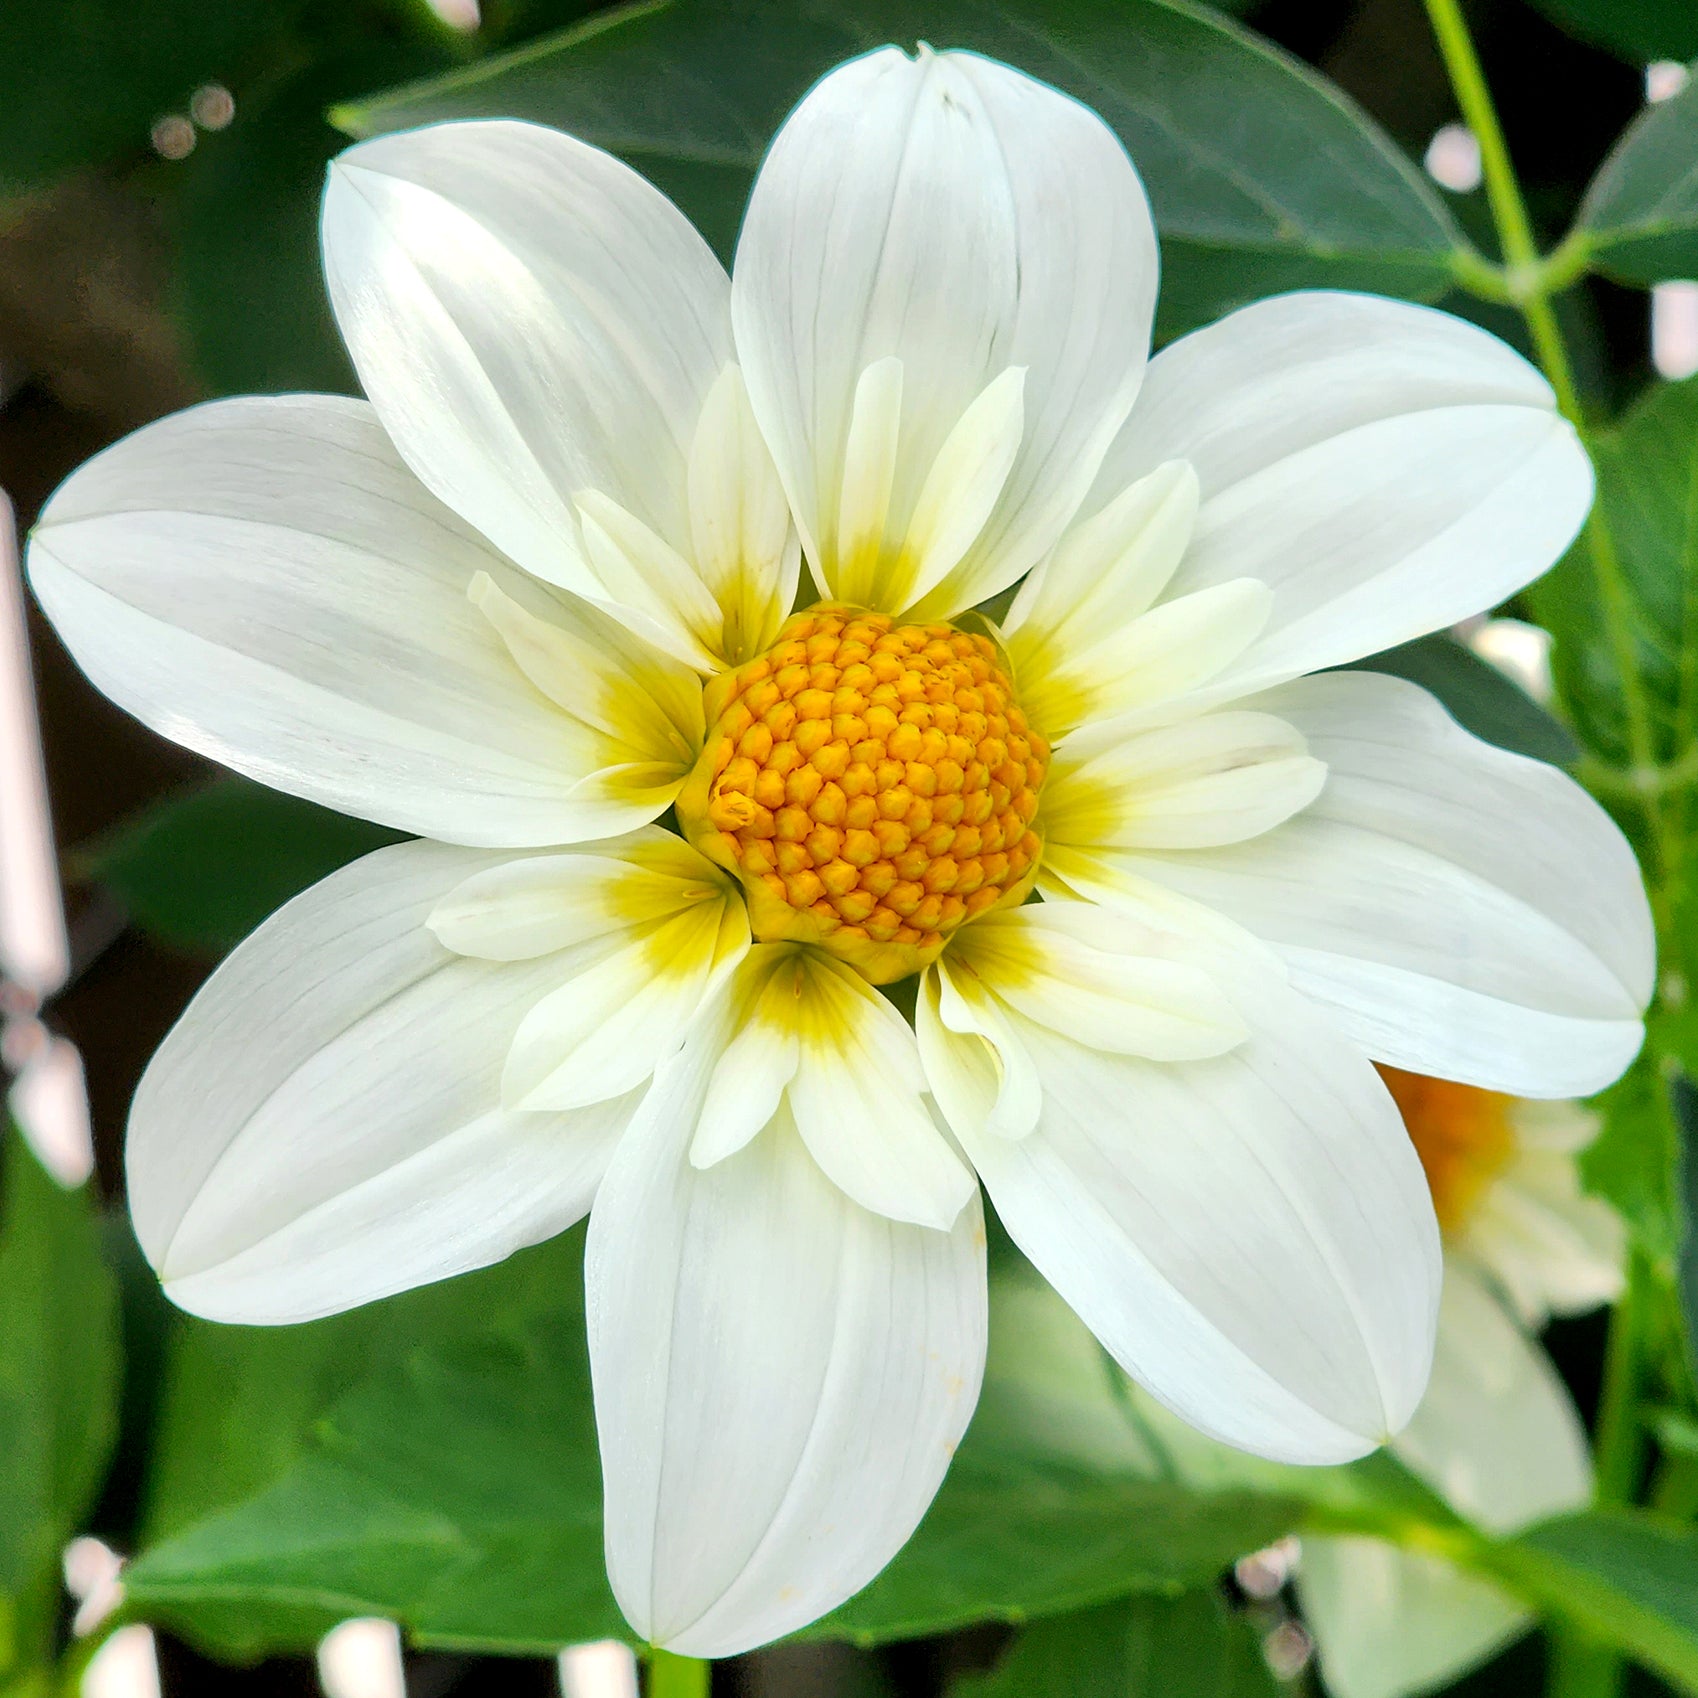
(1185, 1647)
(1626, 1577)
(1631, 1164)
(251, 288)
(1639, 30)
(84, 80)
(434, 1461)
(1647, 467)
(1640, 215)
(203, 869)
(1480, 698)
(59, 1378)
(1262, 175)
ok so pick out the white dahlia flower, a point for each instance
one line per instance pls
(1497, 1435)
(543, 587)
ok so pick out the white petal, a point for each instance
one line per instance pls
(1497, 1435)
(745, 549)
(532, 320)
(1218, 778)
(1249, 1235)
(1092, 976)
(1385, 469)
(264, 581)
(1464, 912)
(780, 1376)
(1392, 1623)
(626, 1005)
(957, 216)
(323, 1126)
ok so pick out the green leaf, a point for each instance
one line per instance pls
(1625, 1577)
(201, 870)
(1640, 215)
(1480, 698)
(59, 1379)
(1647, 466)
(450, 1481)
(1185, 1647)
(1639, 30)
(251, 293)
(1262, 175)
(1631, 1163)
(82, 81)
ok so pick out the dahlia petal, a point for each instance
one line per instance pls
(1250, 1235)
(1384, 468)
(264, 581)
(1462, 911)
(532, 320)
(964, 219)
(323, 1126)
(780, 1376)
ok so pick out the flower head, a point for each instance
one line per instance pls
(546, 585)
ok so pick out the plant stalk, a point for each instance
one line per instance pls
(677, 1677)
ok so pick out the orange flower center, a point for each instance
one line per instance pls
(1462, 1135)
(872, 785)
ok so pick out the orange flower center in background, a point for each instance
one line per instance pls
(1461, 1133)
(872, 785)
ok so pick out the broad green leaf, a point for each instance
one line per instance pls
(59, 1379)
(1185, 1647)
(1480, 698)
(1631, 1164)
(1640, 216)
(1647, 466)
(1639, 30)
(1262, 175)
(1623, 1576)
(201, 870)
(82, 81)
(454, 1486)
(251, 295)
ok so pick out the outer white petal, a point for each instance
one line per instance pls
(954, 215)
(1465, 912)
(1385, 469)
(1250, 1235)
(780, 1376)
(1497, 1436)
(264, 581)
(531, 319)
(1390, 1623)
(323, 1126)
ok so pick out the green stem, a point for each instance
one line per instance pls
(677, 1677)
(1529, 282)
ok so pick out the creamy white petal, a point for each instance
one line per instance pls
(780, 1376)
(1218, 778)
(950, 213)
(1497, 1435)
(1392, 1623)
(1090, 975)
(1463, 911)
(1249, 1235)
(323, 1126)
(1386, 469)
(532, 320)
(625, 1005)
(1546, 1245)
(745, 548)
(264, 581)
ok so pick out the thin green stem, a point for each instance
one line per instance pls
(1529, 282)
(677, 1677)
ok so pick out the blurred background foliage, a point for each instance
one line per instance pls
(431, 1459)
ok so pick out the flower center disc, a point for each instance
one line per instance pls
(872, 785)
(1461, 1133)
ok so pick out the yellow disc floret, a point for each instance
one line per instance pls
(1461, 1133)
(872, 785)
